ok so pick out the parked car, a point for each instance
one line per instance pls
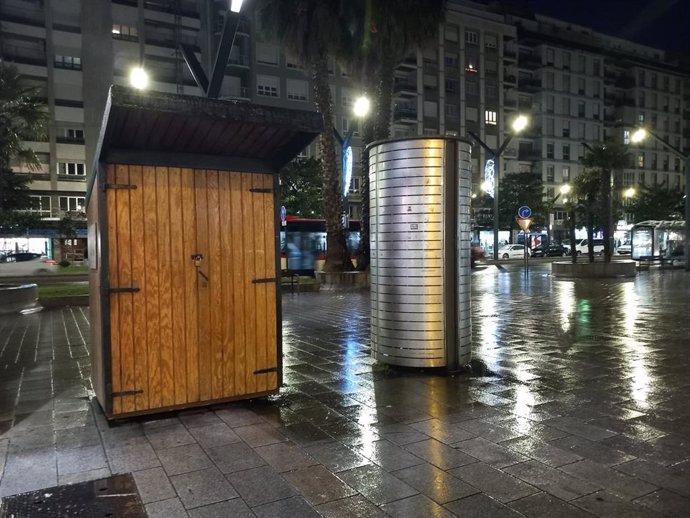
(26, 263)
(624, 249)
(582, 246)
(511, 251)
(553, 250)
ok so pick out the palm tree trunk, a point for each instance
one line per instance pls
(337, 256)
(571, 217)
(606, 206)
(364, 252)
(590, 233)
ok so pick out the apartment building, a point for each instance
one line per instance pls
(486, 65)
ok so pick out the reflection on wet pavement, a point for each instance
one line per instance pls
(583, 410)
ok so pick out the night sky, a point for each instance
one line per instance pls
(663, 24)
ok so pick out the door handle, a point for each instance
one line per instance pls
(197, 258)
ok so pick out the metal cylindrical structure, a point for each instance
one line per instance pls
(420, 251)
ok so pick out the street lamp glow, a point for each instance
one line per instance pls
(629, 192)
(520, 123)
(638, 135)
(361, 107)
(485, 186)
(565, 189)
(236, 5)
(139, 78)
(474, 195)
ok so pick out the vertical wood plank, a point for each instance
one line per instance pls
(216, 285)
(139, 279)
(205, 372)
(226, 246)
(152, 285)
(271, 315)
(178, 287)
(259, 244)
(239, 283)
(124, 272)
(114, 279)
(248, 214)
(191, 289)
(164, 287)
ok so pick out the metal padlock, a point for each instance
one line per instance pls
(197, 259)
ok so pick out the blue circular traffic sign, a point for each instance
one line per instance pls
(524, 211)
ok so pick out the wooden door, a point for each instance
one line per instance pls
(184, 332)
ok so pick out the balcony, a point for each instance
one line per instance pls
(529, 155)
(509, 55)
(405, 89)
(29, 15)
(529, 62)
(405, 114)
(409, 63)
(625, 101)
(529, 84)
(625, 83)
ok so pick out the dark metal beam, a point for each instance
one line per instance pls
(230, 23)
(195, 67)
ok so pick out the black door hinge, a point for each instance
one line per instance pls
(266, 371)
(264, 281)
(119, 186)
(261, 190)
(131, 289)
(126, 393)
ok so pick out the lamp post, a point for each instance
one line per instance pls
(492, 170)
(211, 86)
(641, 134)
(360, 110)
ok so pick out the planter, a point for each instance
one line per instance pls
(17, 297)
(343, 280)
(612, 270)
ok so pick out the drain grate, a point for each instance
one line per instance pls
(112, 497)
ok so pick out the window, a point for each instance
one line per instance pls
(74, 134)
(267, 54)
(490, 41)
(349, 124)
(297, 90)
(665, 105)
(665, 83)
(566, 83)
(549, 56)
(655, 161)
(549, 127)
(581, 109)
(566, 151)
(471, 38)
(471, 114)
(676, 164)
(582, 130)
(640, 117)
(267, 86)
(581, 86)
(39, 205)
(596, 67)
(549, 80)
(452, 86)
(640, 160)
(566, 60)
(68, 62)
(641, 99)
(549, 103)
(566, 106)
(582, 63)
(654, 80)
(452, 111)
(566, 173)
(430, 109)
(491, 90)
(566, 129)
(640, 78)
(628, 178)
(626, 136)
(596, 89)
(452, 32)
(472, 88)
(549, 150)
(550, 191)
(595, 111)
(642, 178)
(354, 184)
(71, 203)
(654, 178)
(549, 173)
(665, 162)
(125, 32)
(71, 168)
(490, 117)
(451, 60)
(597, 133)
(292, 64)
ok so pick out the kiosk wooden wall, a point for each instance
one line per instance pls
(183, 334)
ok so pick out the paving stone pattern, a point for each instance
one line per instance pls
(583, 411)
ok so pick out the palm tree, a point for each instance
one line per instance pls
(310, 30)
(22, 118)
(382, 33)
(604, 160)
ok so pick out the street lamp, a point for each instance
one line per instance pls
(640, 135)
(493, 170)
(139, 78)
(565, 189)
(629, 192)
(360, 110)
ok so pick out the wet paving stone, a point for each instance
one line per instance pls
(584, 396)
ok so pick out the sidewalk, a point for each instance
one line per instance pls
(585, 412)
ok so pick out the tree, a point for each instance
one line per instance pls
(22, 118)
(604, 160)
(516, 190)
(587, 192)
(301, 188)
(381, 35)
(309, 30)
(656, 202)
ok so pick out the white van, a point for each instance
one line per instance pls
(582, 246)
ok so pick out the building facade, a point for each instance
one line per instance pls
(485, 66)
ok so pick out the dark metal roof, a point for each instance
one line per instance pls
(154, 128)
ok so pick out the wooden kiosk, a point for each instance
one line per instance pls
(184, 249)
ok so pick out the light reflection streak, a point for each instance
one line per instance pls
(566, 304)
(634, 351)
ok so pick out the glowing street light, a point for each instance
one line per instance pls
(361, 107)
(629, 192)
(236, 5)
(139, 78)
(493, 170)
(638, 135)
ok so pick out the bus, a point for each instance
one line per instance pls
(303, 244)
